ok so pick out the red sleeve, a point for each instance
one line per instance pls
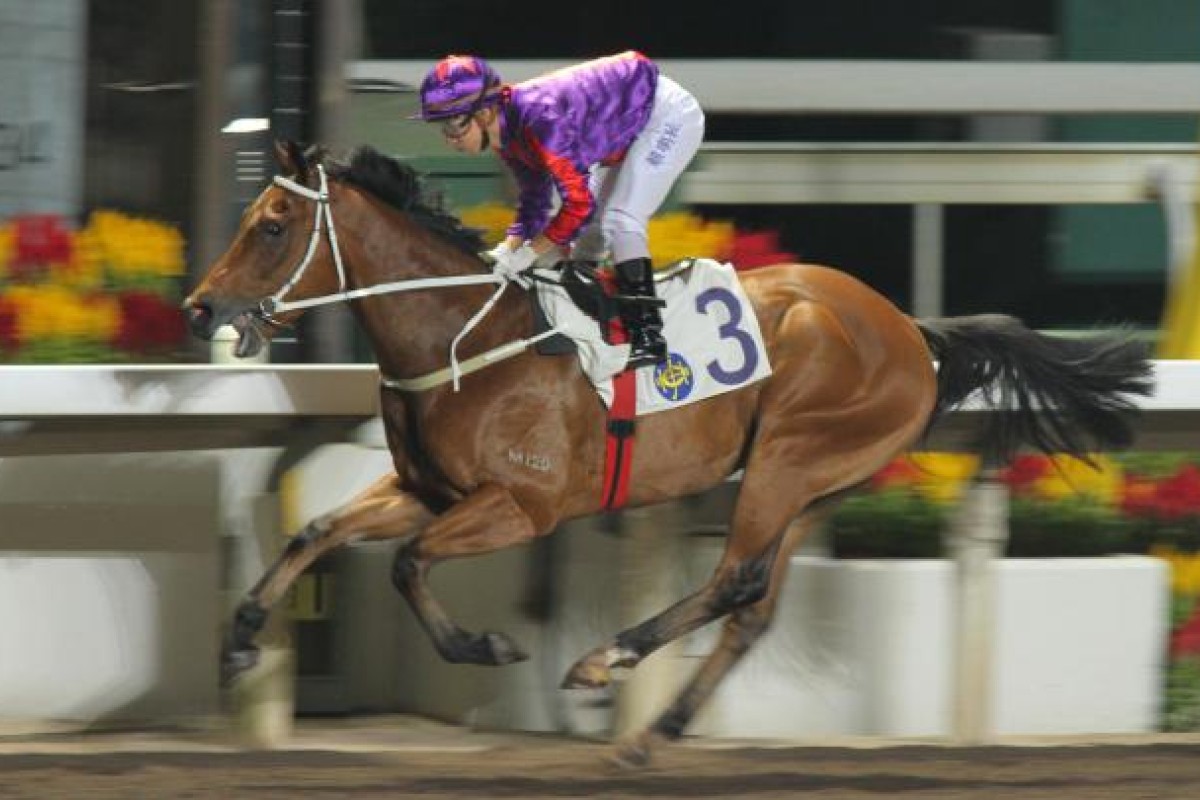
(572, 184)
(533, 202)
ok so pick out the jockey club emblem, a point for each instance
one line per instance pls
(673, 378)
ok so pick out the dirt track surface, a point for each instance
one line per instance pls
(552, 767)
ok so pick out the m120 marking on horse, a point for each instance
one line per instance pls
(853, 385)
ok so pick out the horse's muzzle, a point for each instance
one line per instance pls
(199, 317)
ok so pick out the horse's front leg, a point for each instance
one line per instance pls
(382, 511)
(488, 519)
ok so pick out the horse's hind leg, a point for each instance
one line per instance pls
(741, 579)
(739, 633)
(382, 511)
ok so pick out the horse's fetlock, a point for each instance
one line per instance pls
(671, 724)
(248, 620)
(307, 535)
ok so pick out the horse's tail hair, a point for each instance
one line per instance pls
(1056, 394)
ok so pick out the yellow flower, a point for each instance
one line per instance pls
(943, 477)
(134, 247)
(1185, 569)
(492, 219)
(86, 269)
(49, 310)
(6, 246)
(1072, 477)
(681, 235)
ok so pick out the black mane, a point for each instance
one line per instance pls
(401, 186)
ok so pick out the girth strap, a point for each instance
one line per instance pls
(618, 444)
(622, 422)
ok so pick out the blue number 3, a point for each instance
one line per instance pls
(730, 330)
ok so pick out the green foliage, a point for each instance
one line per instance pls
(67, 350)
(1065, 528)
(1155, 465)
(1181, 700)
(899, 523)
(893, 523)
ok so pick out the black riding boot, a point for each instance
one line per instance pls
(642, 318)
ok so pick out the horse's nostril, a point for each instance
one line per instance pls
(199, 317)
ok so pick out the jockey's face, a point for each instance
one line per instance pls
(464, 133)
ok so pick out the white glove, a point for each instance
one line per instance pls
(511, 263)
(500, 251)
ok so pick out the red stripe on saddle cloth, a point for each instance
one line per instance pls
(621, 425)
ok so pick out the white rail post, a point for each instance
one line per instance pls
(651, 567)
(263, 698)
(978, 536)
(221, 350)
(928, 260)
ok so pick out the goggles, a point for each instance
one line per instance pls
(456, 128)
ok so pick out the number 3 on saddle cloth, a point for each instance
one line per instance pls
(714, 342)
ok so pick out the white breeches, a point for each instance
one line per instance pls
(628, 194)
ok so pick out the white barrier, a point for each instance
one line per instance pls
(132, 537)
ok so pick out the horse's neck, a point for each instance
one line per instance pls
(412, 332)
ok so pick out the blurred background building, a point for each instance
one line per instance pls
(166, 110)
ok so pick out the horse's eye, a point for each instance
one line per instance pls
(272, 228)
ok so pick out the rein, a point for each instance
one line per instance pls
(323, 218)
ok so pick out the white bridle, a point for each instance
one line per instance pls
(323, 217)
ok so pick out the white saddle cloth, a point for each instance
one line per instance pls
(711, 331)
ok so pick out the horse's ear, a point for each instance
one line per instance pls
(290, 157)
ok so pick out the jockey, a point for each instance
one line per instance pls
(610, 136)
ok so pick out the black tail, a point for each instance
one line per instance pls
(1060, 395)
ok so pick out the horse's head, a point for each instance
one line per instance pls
(278, 251)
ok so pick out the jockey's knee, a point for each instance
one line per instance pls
(626, 234)
(590, 246)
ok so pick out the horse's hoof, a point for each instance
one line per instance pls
(235, 662)
(503, 650)
(634, 754)
(589, 672)
(484, 649)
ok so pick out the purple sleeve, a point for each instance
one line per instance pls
(533, 200)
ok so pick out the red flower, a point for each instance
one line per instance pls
(758, 249)
(1179, 495)
(1185, 640)
(898, 472)
(8, 325)
(1025, 471)
(1139, 496)
(40, 240)
(147, 323)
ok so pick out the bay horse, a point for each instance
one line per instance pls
(854, 383)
